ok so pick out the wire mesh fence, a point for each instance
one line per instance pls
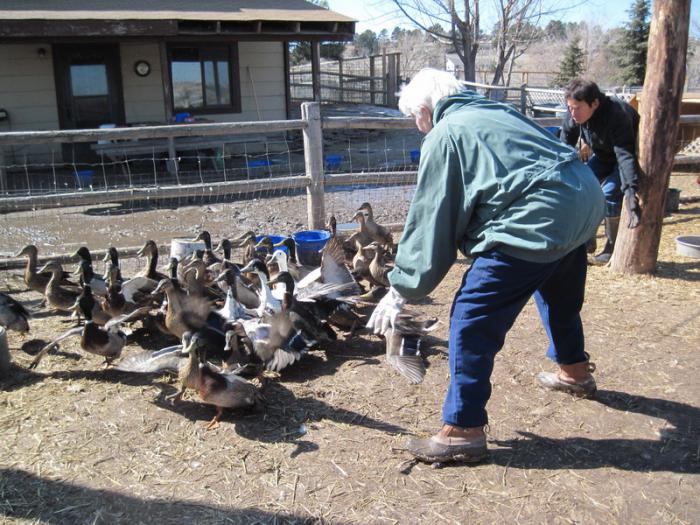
(230, 186)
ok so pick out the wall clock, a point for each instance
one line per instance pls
(142, 68)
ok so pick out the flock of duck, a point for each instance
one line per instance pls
(231, 323)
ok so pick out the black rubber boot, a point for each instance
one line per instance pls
(611, 226)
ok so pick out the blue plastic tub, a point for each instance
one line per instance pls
(263, 163)
(309, 243)
(275, 239)
(85, 177)
(333, 162)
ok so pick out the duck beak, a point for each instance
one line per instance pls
(141, 252)
(106, 258)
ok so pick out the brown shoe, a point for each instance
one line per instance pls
(449, 446)
(573, 379)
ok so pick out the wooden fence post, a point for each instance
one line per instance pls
(371, 80)
(340, 79)
(523, 99)
(3, 173)
(313, 162)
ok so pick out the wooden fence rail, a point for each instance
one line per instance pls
(314, 181)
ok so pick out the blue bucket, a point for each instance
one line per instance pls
(415, 156)
(275, 239)
(309, 243)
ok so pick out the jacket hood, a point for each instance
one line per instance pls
(458, 100)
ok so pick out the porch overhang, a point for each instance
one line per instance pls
(172, 19)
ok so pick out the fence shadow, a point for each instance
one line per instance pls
(27, 496)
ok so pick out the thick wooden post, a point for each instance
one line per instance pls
(313, 161)
(316, 70)
(636, 251)
(166, 82)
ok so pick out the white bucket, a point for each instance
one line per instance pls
(182, 247)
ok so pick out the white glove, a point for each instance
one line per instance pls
(386, 312)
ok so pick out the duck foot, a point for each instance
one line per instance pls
(214, 423)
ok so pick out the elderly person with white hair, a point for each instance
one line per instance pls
(506, 192)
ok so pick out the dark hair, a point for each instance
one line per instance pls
(583, 90)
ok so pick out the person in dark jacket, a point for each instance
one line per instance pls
(608, 126)
(503, 190)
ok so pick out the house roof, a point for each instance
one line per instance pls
(238, 10)
(103, 18)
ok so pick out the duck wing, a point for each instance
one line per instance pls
(115, 322)
(168, 359)
(334, 270)
(403, 354)
(137, 288)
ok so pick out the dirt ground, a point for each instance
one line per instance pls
(84, 445)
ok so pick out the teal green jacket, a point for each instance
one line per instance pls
(491, 178)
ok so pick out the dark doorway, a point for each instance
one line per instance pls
(89, 91)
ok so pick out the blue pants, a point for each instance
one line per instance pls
(494, 291)
(608, 174)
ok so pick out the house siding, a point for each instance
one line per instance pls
(262, 83)
(143, 96)
(28, 92)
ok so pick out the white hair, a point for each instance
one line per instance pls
(426, 89)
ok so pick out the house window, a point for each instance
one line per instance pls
(205, 78)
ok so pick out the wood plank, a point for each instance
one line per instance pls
(210, 189)
(179, 130)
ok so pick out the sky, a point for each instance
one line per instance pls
(383, 14)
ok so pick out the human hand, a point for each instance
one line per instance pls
(584, 151)
(386, 312)
(634, 212)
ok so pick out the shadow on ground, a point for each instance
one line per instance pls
(676, 450)
(26, 496)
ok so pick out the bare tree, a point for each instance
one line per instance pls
(516, 30)
(463, 21)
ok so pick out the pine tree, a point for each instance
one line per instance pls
(571, 65)
(631, 49)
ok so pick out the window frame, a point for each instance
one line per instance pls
(233, 74)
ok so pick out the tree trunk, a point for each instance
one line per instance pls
(636, 251)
